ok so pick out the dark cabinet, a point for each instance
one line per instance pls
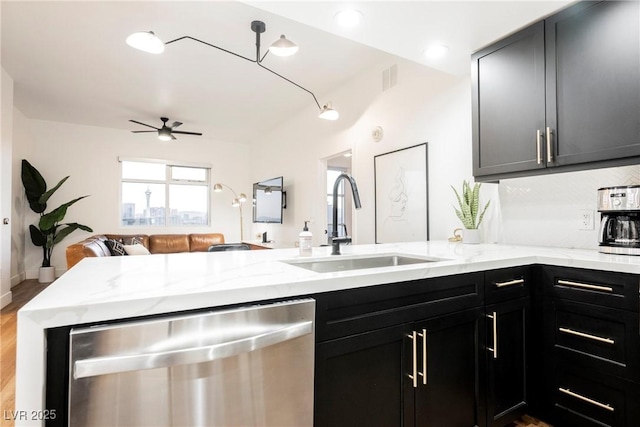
(415, 374)
(362, 379)
(591, 347)
(506, 353)
(446, 391)
(559, 95)
(402, 354)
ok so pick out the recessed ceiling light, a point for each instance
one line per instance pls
(435, 51)
(348, 18)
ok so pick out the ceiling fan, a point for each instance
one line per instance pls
(165, 133)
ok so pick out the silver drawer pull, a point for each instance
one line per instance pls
(494, 317)
(583, 335)
(585, 286)
(586, 399)
(414, 371)
(509, 283)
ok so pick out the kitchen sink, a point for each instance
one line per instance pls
(345, 264)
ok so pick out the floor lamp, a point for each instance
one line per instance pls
(238, 200)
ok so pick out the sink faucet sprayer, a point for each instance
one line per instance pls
(335, 241)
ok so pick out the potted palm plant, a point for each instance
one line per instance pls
(50, 229)
(468, 211)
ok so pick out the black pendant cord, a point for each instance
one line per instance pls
(210, 45)
(258, 60)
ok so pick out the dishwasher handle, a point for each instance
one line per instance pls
(135, 362)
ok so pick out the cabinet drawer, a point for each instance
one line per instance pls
(617, 290)
(578, 399)
(594, 337)
(353, 311)
(506, 284)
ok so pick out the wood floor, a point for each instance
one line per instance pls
(25, 291)
(21, 294)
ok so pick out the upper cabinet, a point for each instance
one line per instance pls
(562, 94)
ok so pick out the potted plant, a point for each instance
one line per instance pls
(50, 231)
(468, 212)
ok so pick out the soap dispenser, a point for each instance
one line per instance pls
(305, 241)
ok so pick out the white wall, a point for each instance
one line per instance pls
(22, 148)
(425, 106)
(545, 210)
(89, 155)
(6, 132)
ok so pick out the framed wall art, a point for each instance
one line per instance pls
(401, 195)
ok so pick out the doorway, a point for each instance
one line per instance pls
(340, 163)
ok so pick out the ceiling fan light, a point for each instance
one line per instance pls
(146, 41)
(328, 113)
(164, 134)
(283, 47)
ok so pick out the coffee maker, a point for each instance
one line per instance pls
(620, 220)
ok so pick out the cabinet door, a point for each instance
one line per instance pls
(447, 395)
(593, 81)
(507, 331)
(361, 380)
(508, 104)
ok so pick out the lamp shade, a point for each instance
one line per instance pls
(328, 113)
(146, 41)
(217, 187)
(283, 47)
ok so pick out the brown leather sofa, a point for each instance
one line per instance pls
(156, 244)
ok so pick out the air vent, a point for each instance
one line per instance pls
(389, 77)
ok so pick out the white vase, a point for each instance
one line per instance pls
(46, 274)
(471, 236)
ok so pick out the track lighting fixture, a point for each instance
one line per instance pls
(148, 42)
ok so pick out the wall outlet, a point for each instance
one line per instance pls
(585, 218)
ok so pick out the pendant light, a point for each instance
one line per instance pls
(283, 47)
(328, 113)
(146, 41)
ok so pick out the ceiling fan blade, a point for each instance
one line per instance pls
(143, 131)
(173, 137)
(175, 125)
(143, 124)
(186, 133)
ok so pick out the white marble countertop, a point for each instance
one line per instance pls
(99, 289)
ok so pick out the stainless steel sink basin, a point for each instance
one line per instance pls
(345, 264)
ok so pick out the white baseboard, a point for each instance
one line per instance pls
(5, 299)
(17, 278)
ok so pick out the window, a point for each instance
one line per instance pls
(159, 193)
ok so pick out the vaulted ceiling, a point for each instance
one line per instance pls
(70, 63)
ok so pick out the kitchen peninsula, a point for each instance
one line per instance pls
(99, 290)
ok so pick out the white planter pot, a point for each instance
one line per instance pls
(471, 236)
(46, 274)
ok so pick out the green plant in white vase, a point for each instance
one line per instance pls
(469, 206)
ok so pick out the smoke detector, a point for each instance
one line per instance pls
(377, 133)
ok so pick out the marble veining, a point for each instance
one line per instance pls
(101, 289)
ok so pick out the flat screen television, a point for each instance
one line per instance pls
(268, 201)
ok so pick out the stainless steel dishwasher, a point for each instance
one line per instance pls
(251, 366)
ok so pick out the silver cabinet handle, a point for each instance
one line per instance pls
(586, 399)
(423, 335)
(135, 362)
(585, 286)
(539, 146)
(589, 336)
(549, 152)
(414, 345)
(494, 350)
(509, 283)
